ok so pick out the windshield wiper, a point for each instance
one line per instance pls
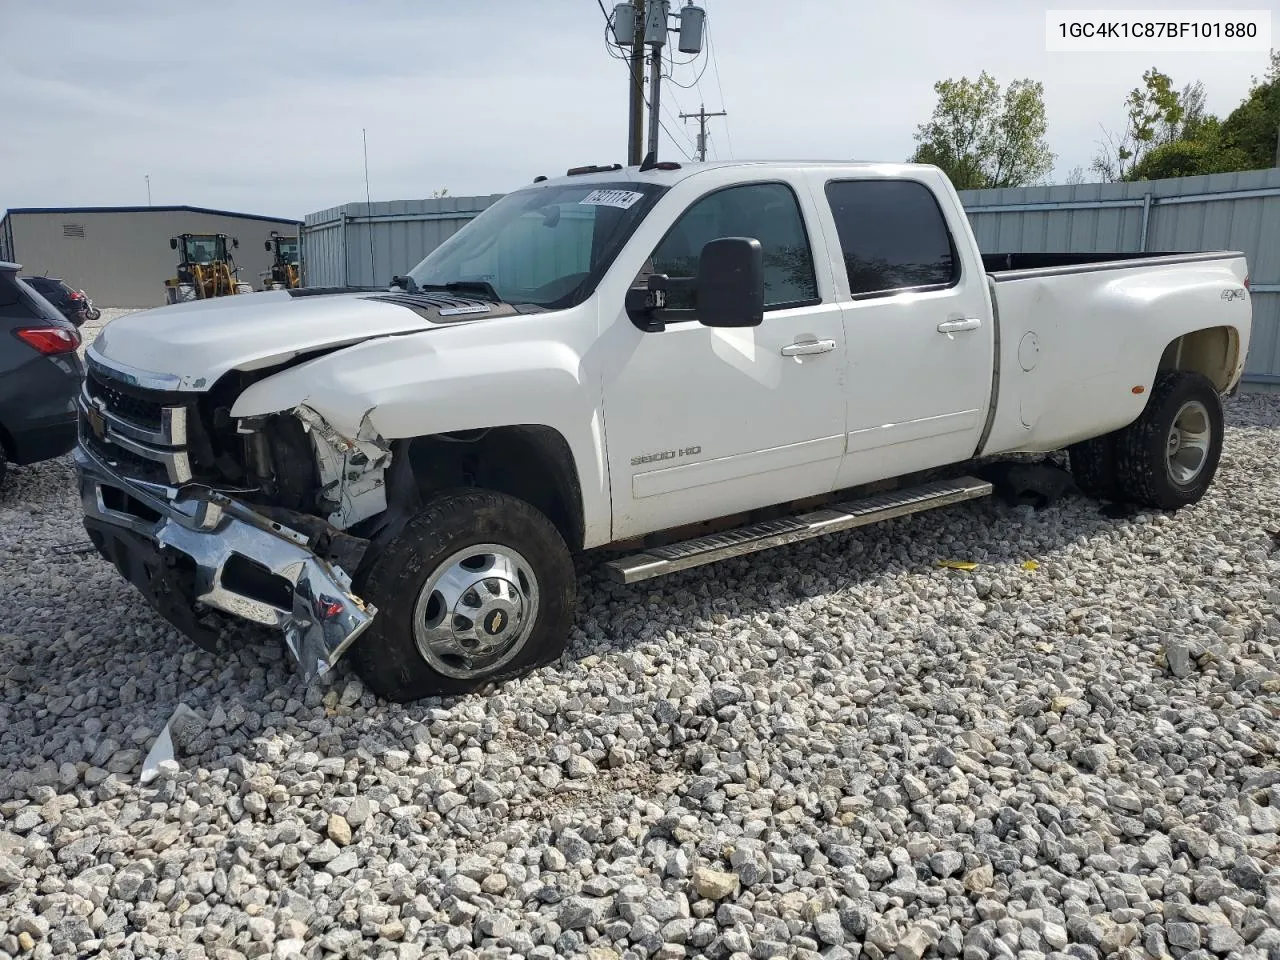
(465, 286)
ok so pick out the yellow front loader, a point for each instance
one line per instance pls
(205, 269)
(284, 273)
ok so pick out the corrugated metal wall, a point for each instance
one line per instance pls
(1227, 211)
(1234, 211)
(335, 242)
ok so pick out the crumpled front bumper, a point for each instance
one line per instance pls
(184, 551)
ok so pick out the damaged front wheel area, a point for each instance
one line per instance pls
(478, 587)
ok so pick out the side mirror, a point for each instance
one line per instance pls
(235, 242)
(730, 290)
(267, 246)
(173, 243)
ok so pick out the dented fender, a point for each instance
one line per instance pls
(505, 372)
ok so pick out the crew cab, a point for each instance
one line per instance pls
(660, 365)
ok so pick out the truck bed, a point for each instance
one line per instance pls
(1081, 335)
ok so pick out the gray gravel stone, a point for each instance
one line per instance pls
(839, 749)
(579, 912)
(946, 863)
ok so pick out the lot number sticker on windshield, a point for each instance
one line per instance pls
(622, 199)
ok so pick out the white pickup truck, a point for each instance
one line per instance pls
(665, 364)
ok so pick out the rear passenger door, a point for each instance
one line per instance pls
(920, 337)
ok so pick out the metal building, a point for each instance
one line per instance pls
(120, 256)
(336, 248)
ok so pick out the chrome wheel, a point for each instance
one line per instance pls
(476, 611)
(1187, 446)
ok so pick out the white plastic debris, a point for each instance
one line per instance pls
(162, 749)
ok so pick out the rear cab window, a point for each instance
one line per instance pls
(770, 213)
(893, 237)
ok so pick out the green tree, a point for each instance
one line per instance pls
(1154, 116)
(1204, 150)
(983, 138)
(1251, 128)
(1169, 133)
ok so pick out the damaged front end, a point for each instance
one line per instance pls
(246, 517)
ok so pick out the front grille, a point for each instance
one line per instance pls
(145, 412)
(129, 464)
(142, 433)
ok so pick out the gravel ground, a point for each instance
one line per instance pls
(839, 749)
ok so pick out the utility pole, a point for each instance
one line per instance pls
(1278, 145)
(655, 36)
(148, 189)
(701, 117)
(635, 83)
(644, 23)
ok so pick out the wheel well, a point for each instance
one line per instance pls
(1214, 352)
(528, 461)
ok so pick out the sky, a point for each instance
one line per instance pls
(257, 107)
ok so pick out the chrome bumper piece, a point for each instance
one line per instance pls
(218, 534)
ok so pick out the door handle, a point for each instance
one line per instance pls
(956, 326)
(805, 347)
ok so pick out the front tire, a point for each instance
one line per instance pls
(479, 587)
(1168, 457)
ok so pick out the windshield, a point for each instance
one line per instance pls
(205, 249)
(546, 246)
(289, 250)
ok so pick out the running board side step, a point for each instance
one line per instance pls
(659, 561)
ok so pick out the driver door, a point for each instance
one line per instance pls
(703, 423)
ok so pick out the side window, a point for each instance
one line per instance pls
(766, 211)
(893, 236)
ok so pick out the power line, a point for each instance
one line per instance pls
(686, 86)
(715, 67)
(680, 127)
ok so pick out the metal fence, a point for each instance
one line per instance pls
(1233, 211)
(362, 244)
(1227, 211)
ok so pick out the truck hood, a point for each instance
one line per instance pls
(188, 346)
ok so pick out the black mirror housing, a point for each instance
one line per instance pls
(267, 246)
(173, 243)
(730, 290)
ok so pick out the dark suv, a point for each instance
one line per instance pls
(40, 374)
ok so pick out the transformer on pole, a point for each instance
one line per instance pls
(645, 23)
